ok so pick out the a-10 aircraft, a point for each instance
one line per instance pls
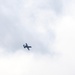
(26, 46)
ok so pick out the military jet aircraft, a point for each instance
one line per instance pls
(26, 46)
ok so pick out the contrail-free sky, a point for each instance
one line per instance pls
(48, 26)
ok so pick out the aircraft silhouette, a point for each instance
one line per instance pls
(26, 46)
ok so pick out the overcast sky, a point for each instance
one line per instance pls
(48, 26)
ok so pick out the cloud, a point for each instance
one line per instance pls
(48, 28)
(65, 41)
(20, 22)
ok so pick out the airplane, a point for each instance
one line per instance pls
(26, 46)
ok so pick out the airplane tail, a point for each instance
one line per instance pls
(24, 46)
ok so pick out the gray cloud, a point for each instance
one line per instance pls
(46, 26)
(22, 21)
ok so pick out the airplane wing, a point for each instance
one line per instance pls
(26, 44)
(28, 48)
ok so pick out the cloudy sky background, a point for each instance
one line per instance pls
(47, 25)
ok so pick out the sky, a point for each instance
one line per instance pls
(48, 26)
